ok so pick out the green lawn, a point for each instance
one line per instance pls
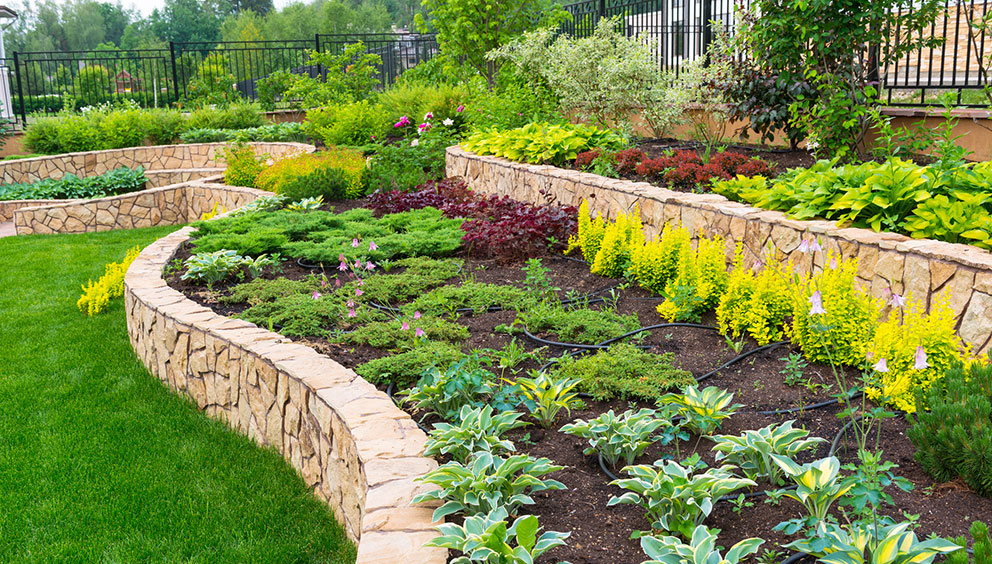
(100, 462)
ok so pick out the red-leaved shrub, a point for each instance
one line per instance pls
(627, 160)
(585, 159)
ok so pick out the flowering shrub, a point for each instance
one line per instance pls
(656, 262)
(627, 160)
(496, 227)
(911, 350)
(701, 281)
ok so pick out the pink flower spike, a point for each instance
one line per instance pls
(373, 246)
(358, 292)
(351, 313)
(881, 366)
(405, 326)
(897, 301)
(460, 109)
(342, 267)
(816, 304)
(316, 295)
(419, 332)
(920, 362)
(354, 243)
(369, 266)
(416, 314)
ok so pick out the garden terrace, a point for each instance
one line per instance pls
(886, 261)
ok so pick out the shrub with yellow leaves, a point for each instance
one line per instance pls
(590, 234)
(699, 284)
(96, 295)
(619, 237)
(757, 300)
(656, 262)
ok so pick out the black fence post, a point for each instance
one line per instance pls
(320, 68)
(707, 17)
(601, 12)
(175, 72)
(20, 89)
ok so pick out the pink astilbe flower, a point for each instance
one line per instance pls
(881, 366)
(920, 361)
(816, 304)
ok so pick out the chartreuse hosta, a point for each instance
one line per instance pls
(625, 436)
(752, 451)
(488, 538)
(545, 396)
(864, 543)
(676, 499)
(488, 482)
(818, 486)
(700, 550)
(479, 429)
(704, 409)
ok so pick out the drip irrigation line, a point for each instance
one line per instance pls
(573, 259)
(549, 343)
(300, 262)
(796, 557)
(848, 425)
(653, 327)
(740, 358)
(822, 404)
(389, 392)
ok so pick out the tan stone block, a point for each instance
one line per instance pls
(391, 547)
(976, 323)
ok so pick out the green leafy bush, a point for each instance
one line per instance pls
(288, 132)
(704, 410)
(109, 126)
(419, 276)
(163, 127)
(399, 333)
(752, 450)
(118, 181)
(234, 116)
(345, 77)
(543, 143)
(702, 547)
(403, 369)
(471, 295)
(350, 123)
(408, 163)
(446, 392)
(622, 437)
(210, 268)
(954, 438)
(306, 175)
(417, 99)
(626, 372)
(485, 537)
(479, 429)
(243, 165)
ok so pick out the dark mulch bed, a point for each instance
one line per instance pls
(600, 535)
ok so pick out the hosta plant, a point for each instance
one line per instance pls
(625, 436)
(488, 482)
(446, 392)
(479, 429)
(306, 204)
(818, 486)
(676, 499)
(545, 396)
(543, 143)
(704, 409)
(701, 549)
(488, 538)
(210, 268)
(863, 543)
(752, 451)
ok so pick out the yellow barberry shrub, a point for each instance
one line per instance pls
(590, 233)
(897, 339)
(656, 262)
(96, 295)
(757, 300)
(840, 335)
(699, 284)
(619, 237)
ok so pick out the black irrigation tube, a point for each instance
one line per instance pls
(739, 358)
(389, 393)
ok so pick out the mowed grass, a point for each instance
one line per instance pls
(100, 462)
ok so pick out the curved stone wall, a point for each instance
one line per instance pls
(159, 157)
(352, 445)
(923, 267)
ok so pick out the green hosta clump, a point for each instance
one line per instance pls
(463, 383)
(487, 483)
(488, 538)
(546, 395)
(676, 499)
(700, 550)
(863, 543)
(818, 486)
(478, 430)
(752, 451)
(704, 409)
(626, 372)
(210, 268)
(625, 436)
(543, 143)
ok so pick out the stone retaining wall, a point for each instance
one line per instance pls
(352, 445)
(922, 267)
(166, 205)
(161, 157)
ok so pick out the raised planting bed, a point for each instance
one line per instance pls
(419, 297)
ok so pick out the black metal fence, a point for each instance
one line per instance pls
(679, 31)
(46, 82)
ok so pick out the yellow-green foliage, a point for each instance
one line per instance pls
(896, 341)
(841, 335)
(590, 233)
(96, 295)
(243, 165)
(348, 161)
(656, 262)
(699, 284)
(757, 300)
(619, 237)
(214, 212)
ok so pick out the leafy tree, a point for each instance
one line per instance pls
(468, 29)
